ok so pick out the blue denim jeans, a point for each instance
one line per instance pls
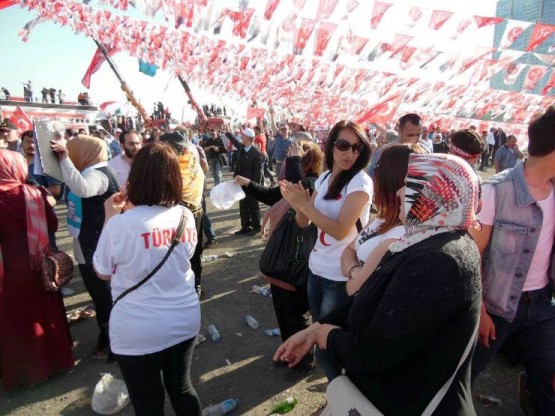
(324, 295)
(216, 169)
(534, 332)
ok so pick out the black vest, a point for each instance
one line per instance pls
(93, 216)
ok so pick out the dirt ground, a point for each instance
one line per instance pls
(240, 366)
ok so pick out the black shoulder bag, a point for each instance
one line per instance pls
(175, 241)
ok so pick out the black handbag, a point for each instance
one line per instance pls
(286, 254)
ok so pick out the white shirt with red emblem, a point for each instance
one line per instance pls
(325, 259)
(165, 310)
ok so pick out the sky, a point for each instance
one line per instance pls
(55, 57)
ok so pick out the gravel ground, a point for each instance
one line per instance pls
(239, 366)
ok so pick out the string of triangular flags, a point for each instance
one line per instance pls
(310, 87)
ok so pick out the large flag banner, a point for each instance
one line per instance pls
(95, 65)
(20, 119)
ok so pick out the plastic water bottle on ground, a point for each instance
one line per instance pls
(284, 406)
(261, 290)
(273, 332)
(253, 323)
(221, 409)
(214, 334)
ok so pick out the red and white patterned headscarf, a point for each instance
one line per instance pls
(13, 173)
(442, 194)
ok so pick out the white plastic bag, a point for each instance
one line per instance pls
(110, 395)
(225, 194)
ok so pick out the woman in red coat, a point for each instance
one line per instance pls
(35, 341)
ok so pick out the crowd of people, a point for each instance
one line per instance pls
(419, 273)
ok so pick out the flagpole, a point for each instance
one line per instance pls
(202, 117)
(134, 102)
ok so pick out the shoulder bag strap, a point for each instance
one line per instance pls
(432, 406)
(175, 241)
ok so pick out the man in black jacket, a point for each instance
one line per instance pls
(248, 164)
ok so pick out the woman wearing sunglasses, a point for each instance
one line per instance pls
(342, 198)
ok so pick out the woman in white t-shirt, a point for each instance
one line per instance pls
(362, 256)
(153, 328)
(342, 197)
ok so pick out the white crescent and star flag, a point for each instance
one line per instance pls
(20, 119)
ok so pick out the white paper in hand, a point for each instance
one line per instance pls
(225, 194)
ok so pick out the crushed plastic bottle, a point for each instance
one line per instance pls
(222, 408)
(210, 257)
(273, 332)
(262, 290)
(201, 338)
(253, 323)
(214, 334)
(285, 406)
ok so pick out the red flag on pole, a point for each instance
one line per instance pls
(539, 34)
(96, 63)
(535, 73)
(380, 7)
(550, 84)
(20, 119)
(438, 19)
(383, 112)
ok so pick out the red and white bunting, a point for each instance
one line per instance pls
(513, 31)
(438, 19)
(323, 35)
(302, 35)
(384, 111)
(535, 73)
(512, 72)
(482, 21)
(380, 7)
(540, 33)
(325, 9)
(550, 84)
(414, 16)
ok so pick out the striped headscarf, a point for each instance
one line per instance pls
(13, 173)
(442, 194)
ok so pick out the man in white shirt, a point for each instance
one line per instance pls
(130, 143)
(490, 141)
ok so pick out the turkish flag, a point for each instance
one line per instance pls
(438, 19)
(535, 73)
(96, 62)
(380, 7)
(482, 21)
(241, 22)
(271, 7)
(302, 34)
(513, 31)
(382, 112)
(415, 13)
(539, 34)
(20, 119)
(550, 84)
(325, 9)
(7, 3)
(323, 36)
(256, 113)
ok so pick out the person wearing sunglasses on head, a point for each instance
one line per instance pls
(339, 206)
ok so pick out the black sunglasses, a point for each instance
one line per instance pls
(344, 145)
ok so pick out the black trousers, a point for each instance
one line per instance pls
(249, 212)
(100, 292)
(147, 375)
(196, 264)
(292, 313)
